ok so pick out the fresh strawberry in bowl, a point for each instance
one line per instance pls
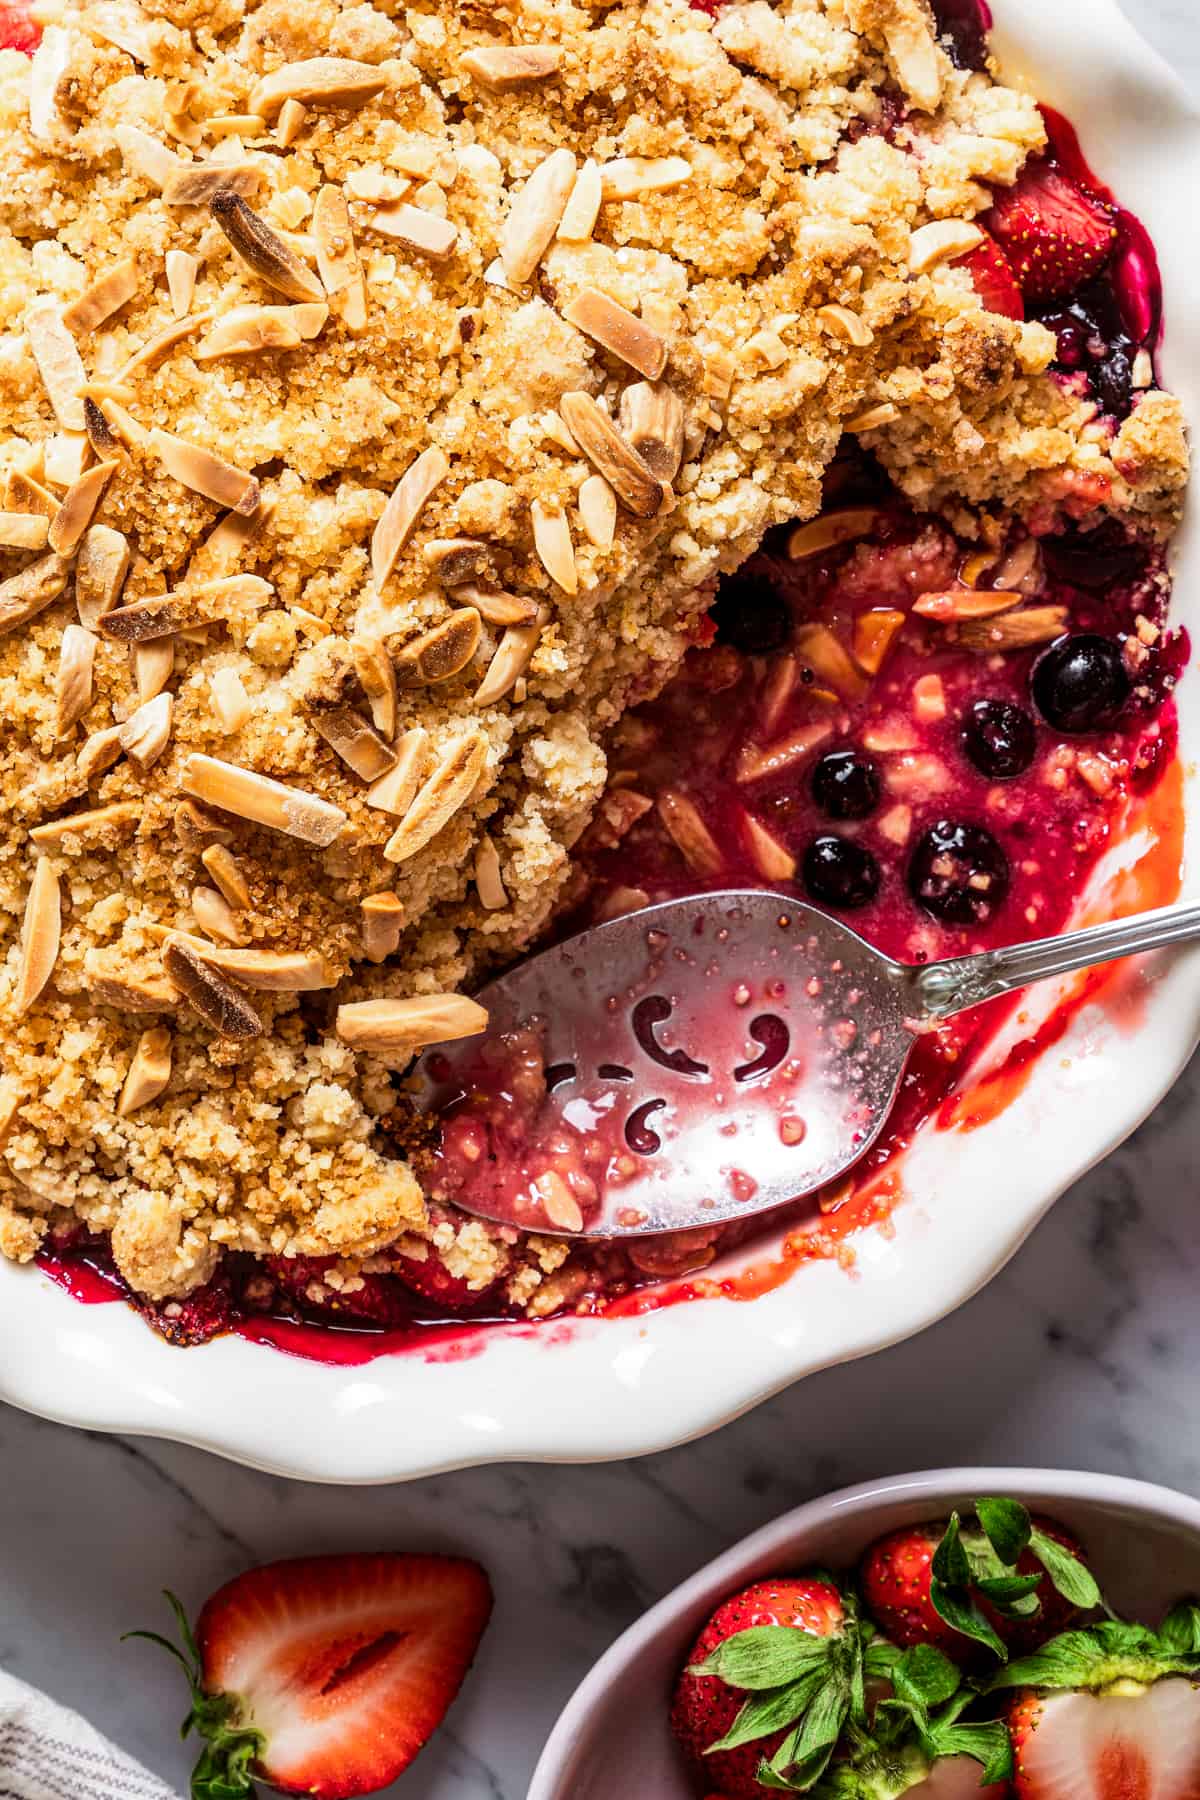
(325, 1675)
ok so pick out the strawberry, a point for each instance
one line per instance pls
(325, 1675)
(895, 1576)
(1056, 236)
(17, 29)
(993, 279)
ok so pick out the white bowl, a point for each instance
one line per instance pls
(613, 1737)
(617, 1388)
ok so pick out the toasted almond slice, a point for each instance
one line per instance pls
(610, 453)
(874, 418)
(265, 971)
(50, 63)
(247, 330)
(395, 791)
(828, 657)
(147, 156)
(100, 571)
(117, 425)
(442, 653)
(231, 703)
(59, 363)
(688, 832)
(40, 935)
(846, 324)
(226, 872)
(24, 493)
(157, 346)
(65, 456)
(205, 472)
(457, 560)
(598, 511)
(554, 546)
(831, 529)
(1014, 630)
(130, 993)
(509, 663)
(755, 762)
(262, 250)
(144, 620)
(382, 926)
(940, 241)
(214, 916)
(103, 297)
(873, 635)
(217, 1001)
(496, 607)
(511, 66)
(79, 503)
(153, 667)
(149, 1072)
(23, 531)
(425, 159)
(416, 229)
(632, 177)
(398, 520)
(562, 1210)
(239, 125)
(377, 186)
(313, 627)
(318, 81)
(915, 57)
(197, 827)
(97, 821)
(617, 329)
(124, 24)
(225, 545)
(779, 684)
(73, 690)
(555, 429)
(402, 1027)
(377, 675)
(199, 184)
(965, 603)
(356, 741)
(293, 115)
(261, 800)
(651, 416)
(489, 880)
(773, 860)
(337, 258)
(98, 752)
(534, 215)
(453, 781)
(146, 732)
(583, 208)
(24, 595)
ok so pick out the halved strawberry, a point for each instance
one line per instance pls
(1056, 236)
(325, 1675)
(17, 29)
(993, 279)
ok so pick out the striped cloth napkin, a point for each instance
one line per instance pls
(48, 1752)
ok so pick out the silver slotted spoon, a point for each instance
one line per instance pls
(741, 1049)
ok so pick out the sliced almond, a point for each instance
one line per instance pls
(165, 614)
(612, 455)
(149, 1072)
(153, 667)
(509, 662)
(98, 752)
(337, 259)
(439, 654)
(562, 1210)
(146, 732)
(24, 595)
(377, 676)
(217, 1001)
(214, 915)
(496, 607)
(395, 791)
(110, 425)
(451, 784)
(651, 416)
(97, 822)
(632, 177)
(40, 935)
(511, 66)
(416, 229)
(226, 872)
(200, 827)
(248, 330)
(830, 530)
(773, 860)
(147, 156)
(598, 511)
(262, 250)
(73, 690)
(318, 81)
(874, 632)
(489, 880)
(265, 971)
(205, 473)
(293, 116)
(199, 184)
(965, 603)
(65, 456)
(398, 520)
(24, 493)
(129, 993)
(103, 297)
(874, 418)
(230, 701)
(457, 560)
(402, 1027)
(24, 531)
(382, 926)
(100, 571)
(843, 323)
(356, 741)
(377, 186)
(49, 66)
(828, 657)
(59, 363)
(755, 762)
(157, 346)
(941, 241)
(689, 833)
(583, 208)
(263, 801)
(617, 329)
(534, 215)
(1014, 630)
(79, 504)
(552, 541)
(225, 545)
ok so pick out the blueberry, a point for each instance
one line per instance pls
(1081, 683)
(751, 616)
(838, 872)
(999, 738)
(958, 873)
(1101, 558)
(845, 785)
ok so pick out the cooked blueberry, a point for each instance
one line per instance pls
(958, 873)
(1080, 683)
(751, 616)
(845, 785)
(1101, 558)
(999, 738)
(839, 872)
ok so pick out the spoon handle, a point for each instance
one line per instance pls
(945, 988)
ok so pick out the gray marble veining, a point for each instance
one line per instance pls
(1081, 1353)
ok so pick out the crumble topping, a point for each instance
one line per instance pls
(384, 390)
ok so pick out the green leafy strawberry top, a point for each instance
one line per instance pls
(224, 1770)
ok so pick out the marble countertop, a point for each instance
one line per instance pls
(1082, 1353)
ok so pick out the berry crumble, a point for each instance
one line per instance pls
(471, 473)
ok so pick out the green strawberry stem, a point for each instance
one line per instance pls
(224, 1768)
(1111, 1652)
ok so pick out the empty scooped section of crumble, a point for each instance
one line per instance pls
(381, 402)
